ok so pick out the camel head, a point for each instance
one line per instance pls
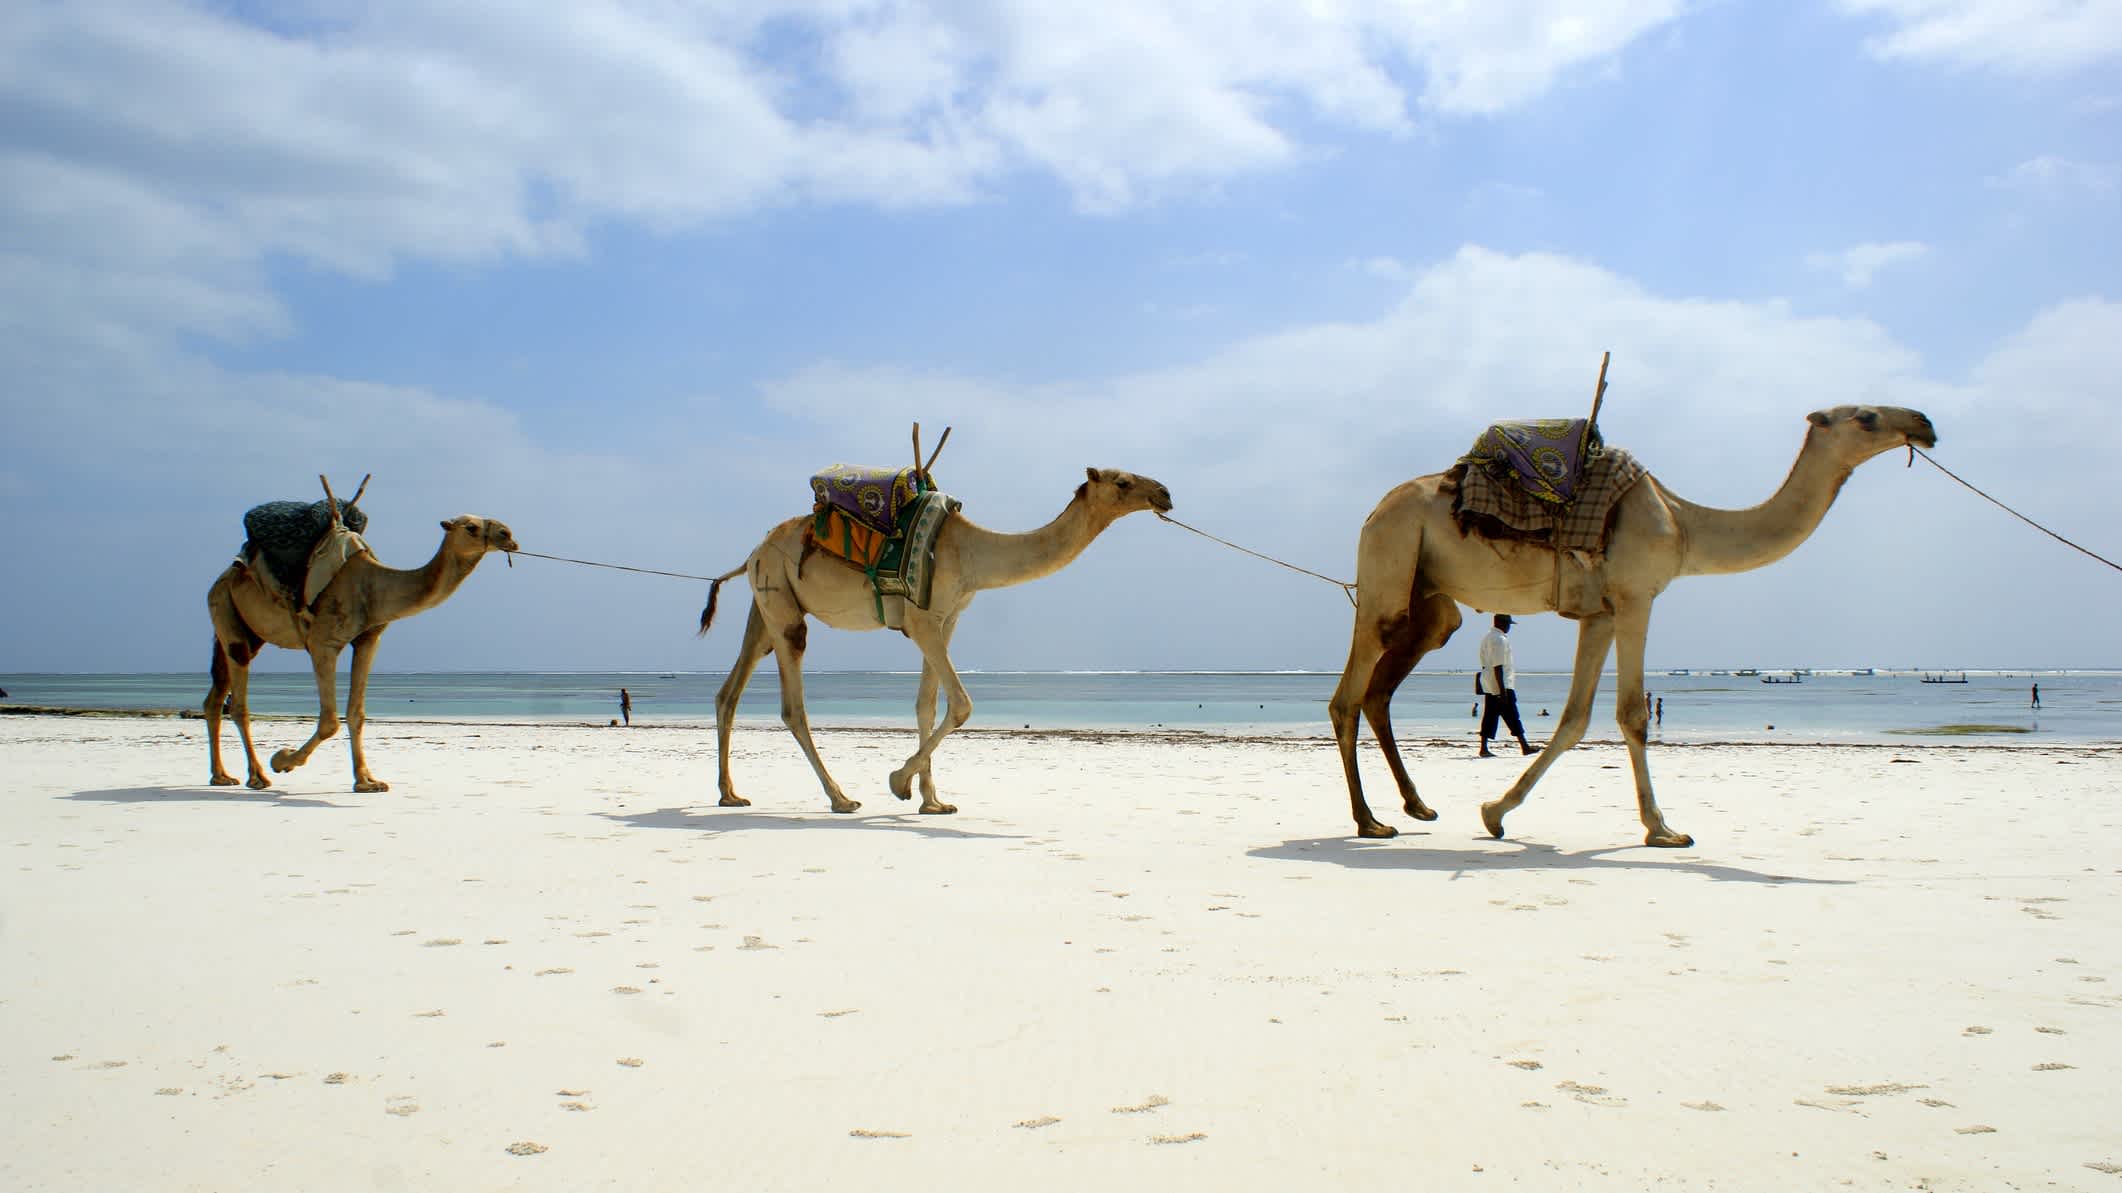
(1855, 434)
(1114, 493)
(471, 536)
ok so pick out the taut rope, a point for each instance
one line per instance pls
(1348, 590)
(2014, 513)
(617, 567)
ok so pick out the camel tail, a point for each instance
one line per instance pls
(714, 594)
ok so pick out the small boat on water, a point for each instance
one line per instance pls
(1681, 671)
(1946, 677)
(1746, 671)
(1793, 677)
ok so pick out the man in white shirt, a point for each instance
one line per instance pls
(1498, 679)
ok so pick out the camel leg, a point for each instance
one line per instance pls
(216, 691)
(934, 640)
(357, 708)
(924, 724)
(1631, 629)
(740, 674)
(1435, 620)
(323, 660)
(1382, 616)
(788, 658)
(231, 683)
(1595, 636)
(925, 718)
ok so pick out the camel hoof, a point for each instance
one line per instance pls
(370, 786)
(258, 783)
(733, 801)
(284, 761)
(938, 809)
(1492, 819)
(223, 781)
(1668, 840)
(902, 784)
(1422, 812)
(845, 806)
(1374, 829)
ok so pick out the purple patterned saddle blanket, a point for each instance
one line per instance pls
(875, 497)
(1547, 455)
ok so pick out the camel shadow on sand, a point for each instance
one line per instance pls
(718, 822)
(200, 795)
(1489, 856)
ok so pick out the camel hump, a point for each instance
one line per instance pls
(284, 535)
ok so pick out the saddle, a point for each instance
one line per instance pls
(296, 547)
(899, 556)
(873, 497)
(1552, 482)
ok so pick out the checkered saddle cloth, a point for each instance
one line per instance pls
(1543, 480)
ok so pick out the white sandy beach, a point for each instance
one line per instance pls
(544, 960)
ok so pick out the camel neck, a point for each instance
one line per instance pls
(400, 593)
(1720, 541)
(995, 559)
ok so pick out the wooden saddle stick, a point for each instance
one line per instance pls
(331, 503)
(917, 449)
(925, 477)
(1599, 394)
(358, 491)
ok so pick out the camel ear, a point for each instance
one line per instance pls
(1094, 474)
(445, 523)
(1817, 418)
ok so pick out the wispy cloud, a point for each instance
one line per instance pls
(2030, 36)
(2060, 178)
(1858, 264)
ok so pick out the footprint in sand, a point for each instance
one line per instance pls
(2052, 1066)
(757, 942)
(1977, 1129)
(631, 1062)
(441, 942)
(1527, 1065)
(1033, 1124)
(1189, 1137)
(866, 1133)
(1148, 1104)
(1594, 1095)
(525, 1148)
(401, 1106)
(1710, 1106)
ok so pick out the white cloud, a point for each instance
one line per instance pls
(1859, 264)
(1282, 442)
(2053, 177)
(2029, 36)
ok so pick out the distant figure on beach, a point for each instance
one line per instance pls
(1658, 715)
(626, 707)
(2037, 695)
(1499, 698)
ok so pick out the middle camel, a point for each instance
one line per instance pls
(787, 583)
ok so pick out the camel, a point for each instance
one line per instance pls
(358, 605)
(970, 559)
(1414, 566)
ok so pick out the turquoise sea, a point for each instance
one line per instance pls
(2078, 707)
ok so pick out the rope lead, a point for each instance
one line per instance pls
(2014, 513)
(1348, 590)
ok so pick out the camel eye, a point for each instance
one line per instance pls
(1125, 484)
(1868, 419)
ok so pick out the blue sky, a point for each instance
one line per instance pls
(624, 274)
